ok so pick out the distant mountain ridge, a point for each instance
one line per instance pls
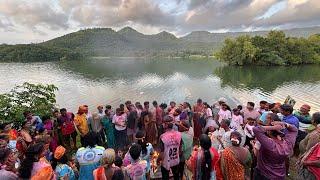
(128, 42)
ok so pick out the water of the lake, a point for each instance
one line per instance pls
(113, 81)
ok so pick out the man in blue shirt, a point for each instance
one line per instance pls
(288, 117)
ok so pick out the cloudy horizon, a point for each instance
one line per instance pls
(25, 21)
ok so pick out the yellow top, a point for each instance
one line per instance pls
(81, 123)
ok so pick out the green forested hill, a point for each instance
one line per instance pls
(125, 42)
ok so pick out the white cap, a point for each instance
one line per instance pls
(222, 99)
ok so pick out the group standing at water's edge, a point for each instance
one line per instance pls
(143, 142)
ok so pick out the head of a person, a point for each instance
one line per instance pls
(177, 112)
(140, 139)
(172, 104)
(235, 138)
(86, 109)
(239, 107)
(286, 109)
(271, 117)
(263, 104)
(128, 103)
(26, 125)
(46, 119)
(59, 156)
(7, 157)
(63, 112)
(109, 157)
(225, 123)
(206, 105)
(135, 151)
(163, 106)
(251, 121)
(56, 113)
(108, 107)
(250, 106)
(118, 161)
(186, 105)
(33, 154)
(236, 111)
(184, 126)
(168, 122)
(5, 127)
(90, 140)
(121, 106)
(81, 110)
(224, 106)
(136, 104)
(28, 115)
(4, 140)
(96, 117)
(315, 119)
(205, 141)
(211, 129)
(155, 104)
(305, 109)
(119, 111)
(139, 106)
(271, 106)
(199, 101)
(146, 104)
(222, 100)
(100, 108)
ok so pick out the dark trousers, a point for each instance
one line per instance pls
(67, 138)
(181, 169)
(166, 173)
(258, 176)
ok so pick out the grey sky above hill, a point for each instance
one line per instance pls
(25, 21)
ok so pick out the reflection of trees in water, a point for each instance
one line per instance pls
(267, 78)
(130, 68)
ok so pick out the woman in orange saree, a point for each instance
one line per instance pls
(35, 166)
(235, 160)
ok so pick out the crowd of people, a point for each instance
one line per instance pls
(159, 141)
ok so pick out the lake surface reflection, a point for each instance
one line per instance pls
(113, 81)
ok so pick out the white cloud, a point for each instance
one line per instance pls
(55, 17)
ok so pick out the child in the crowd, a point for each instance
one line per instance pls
(248, 131)
(237, 119)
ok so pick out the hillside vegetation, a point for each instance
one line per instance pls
(274, 49)
(126, 42)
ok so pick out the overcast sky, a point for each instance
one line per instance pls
(25, 21)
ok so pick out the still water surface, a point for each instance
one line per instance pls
(113, 81)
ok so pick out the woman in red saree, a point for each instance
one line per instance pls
(198, 110)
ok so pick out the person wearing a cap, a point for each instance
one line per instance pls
(304, 117)
(60, 164)
(81, 123)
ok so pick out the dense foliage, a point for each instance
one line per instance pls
(274, 49)
(127, 42)
(37, 98)
(35, 52)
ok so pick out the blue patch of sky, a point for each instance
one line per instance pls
(273, 10)
(174, 7)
